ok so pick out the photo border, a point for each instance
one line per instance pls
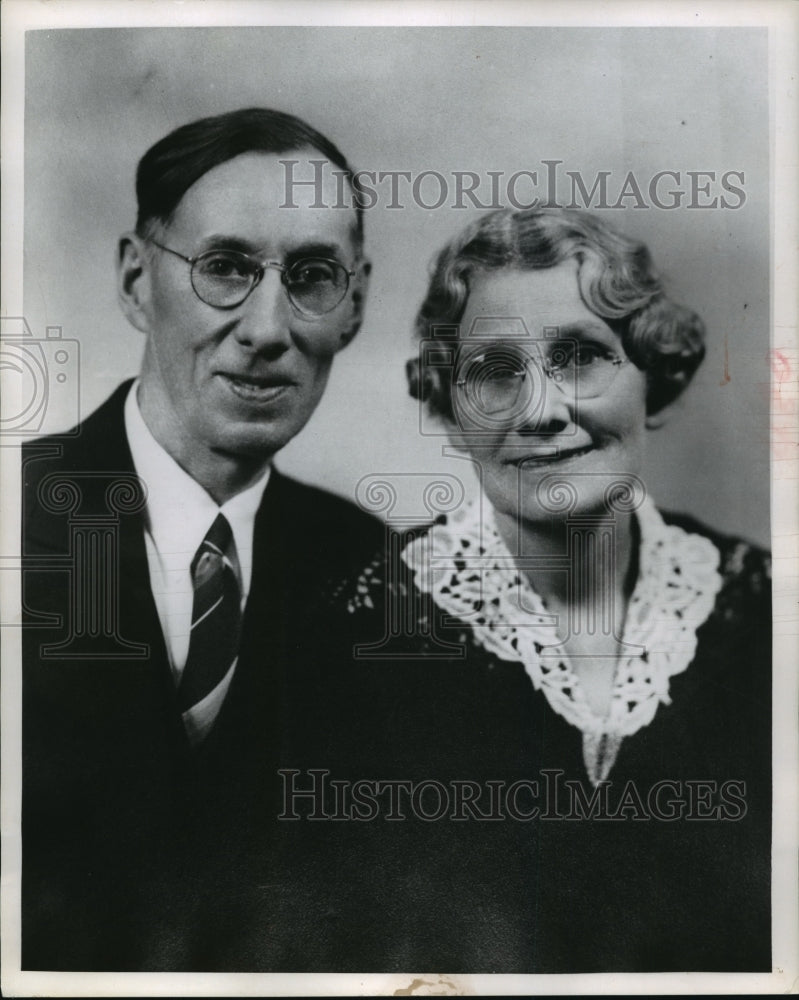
(782, 19)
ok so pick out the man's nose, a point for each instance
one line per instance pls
(265, 315)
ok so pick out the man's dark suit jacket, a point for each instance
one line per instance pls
(139, 853)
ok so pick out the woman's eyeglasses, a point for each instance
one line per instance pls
(224, 279)
(502, 380)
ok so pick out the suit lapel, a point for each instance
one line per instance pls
(134, 683)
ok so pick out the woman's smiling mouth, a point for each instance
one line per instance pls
(555, 458)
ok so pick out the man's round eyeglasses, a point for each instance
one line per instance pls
(500, 380)
(224, 279)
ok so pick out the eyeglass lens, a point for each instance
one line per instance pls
(225, 279)
(502, 380)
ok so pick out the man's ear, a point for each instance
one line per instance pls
(656, 420)
(133, 280)
(360, 286)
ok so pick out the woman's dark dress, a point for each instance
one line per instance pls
(673, 873)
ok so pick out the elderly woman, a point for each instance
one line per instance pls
(604, 705)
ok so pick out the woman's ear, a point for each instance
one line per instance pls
(458, 438)
(360, 286)
(133, 281)
(424, 385)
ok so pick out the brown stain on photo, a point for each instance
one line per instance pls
(727, 377)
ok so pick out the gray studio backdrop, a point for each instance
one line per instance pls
(438, 99)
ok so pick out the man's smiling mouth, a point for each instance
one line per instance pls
(255, 388)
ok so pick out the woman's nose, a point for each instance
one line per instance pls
(550, 412)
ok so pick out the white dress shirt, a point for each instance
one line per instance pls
(178, 515)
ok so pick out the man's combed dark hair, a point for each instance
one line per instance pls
(170, 167)
(616, 278)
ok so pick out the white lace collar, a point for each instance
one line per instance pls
(469, 571)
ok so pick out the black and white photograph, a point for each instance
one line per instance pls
(399, 536)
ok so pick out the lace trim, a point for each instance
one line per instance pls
(675, 593)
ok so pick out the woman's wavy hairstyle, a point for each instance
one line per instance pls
(617, 282)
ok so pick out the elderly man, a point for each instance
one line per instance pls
(175, 581)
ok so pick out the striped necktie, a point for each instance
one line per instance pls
(215, 619)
